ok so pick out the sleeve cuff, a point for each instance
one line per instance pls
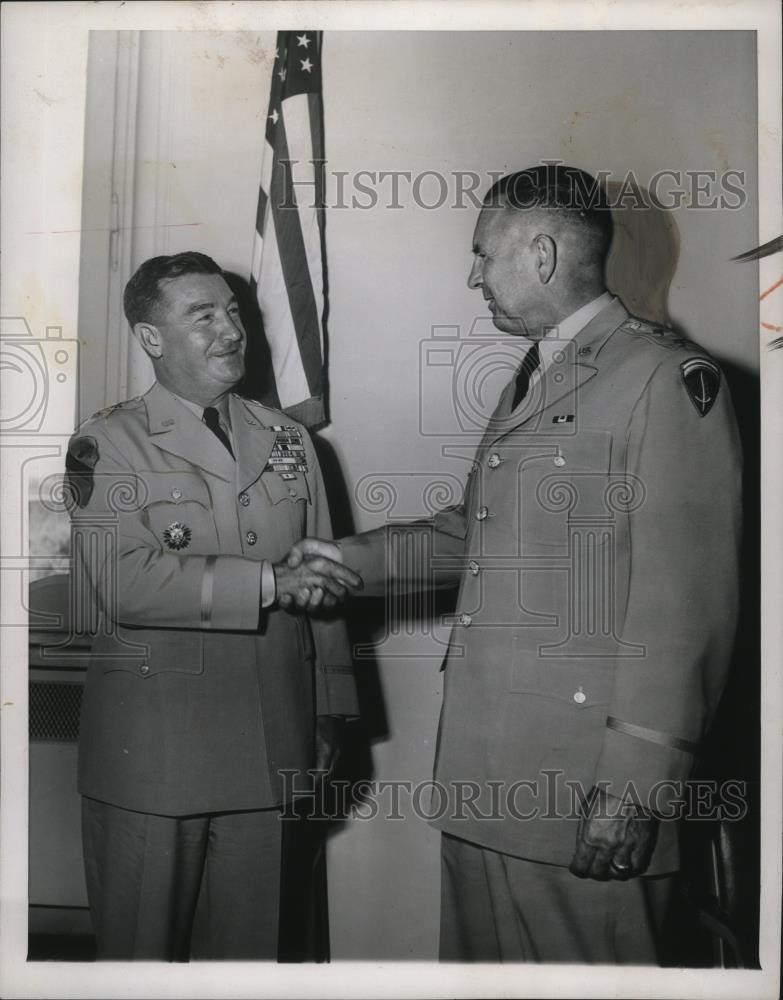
(268, 584)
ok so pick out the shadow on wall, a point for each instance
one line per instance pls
(640, 268)
(259, 384)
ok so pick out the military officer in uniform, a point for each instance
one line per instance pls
(201, 688)
(596, 558)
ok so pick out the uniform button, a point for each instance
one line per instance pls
(494, 461)
(293, 493)
(244, 499)
(251, 538)
(145, 668)
(176, 493)
(482, 513)
(473, 566)
(559, 461)
(465, 620)
(580, 697)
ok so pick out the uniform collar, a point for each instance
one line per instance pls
(572, 325)
(560, 380)
(175, 426)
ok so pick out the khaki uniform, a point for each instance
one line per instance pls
(597, 552)
(195, 702)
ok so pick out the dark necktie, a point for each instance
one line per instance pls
(531, 361)
(212, 420)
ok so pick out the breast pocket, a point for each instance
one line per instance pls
(148, 652)
(178, 511)
(565, 489)
(289, 497)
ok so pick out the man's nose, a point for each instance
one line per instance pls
(474, 278)
(230, 327)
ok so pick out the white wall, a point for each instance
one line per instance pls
(444, 102)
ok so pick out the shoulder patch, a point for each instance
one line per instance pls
(701, 378)
(80, 461)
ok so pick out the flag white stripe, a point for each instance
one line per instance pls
(296, 118)
(272, 293)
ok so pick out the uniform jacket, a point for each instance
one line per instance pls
(597, 552)
(194, 701)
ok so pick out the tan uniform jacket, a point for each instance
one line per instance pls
(195, 702)
(598, 589)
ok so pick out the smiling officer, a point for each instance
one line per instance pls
(201, 688)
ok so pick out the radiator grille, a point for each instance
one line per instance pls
(54, 711)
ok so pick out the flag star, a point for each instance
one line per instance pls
(274, 116)
(303, 41)
(306, 65)
(282, 73)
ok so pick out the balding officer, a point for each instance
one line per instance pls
(201, 689)
(596, 555)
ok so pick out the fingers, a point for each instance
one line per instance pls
(590, 861)
(583, 857)
(336, 571)
(622, 866)
(309, 548)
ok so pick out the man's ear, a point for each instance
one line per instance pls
(546, 254)
(149, 338)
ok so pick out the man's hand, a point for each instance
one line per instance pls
(328, 734)
(615, 839)
(311, 583)
(307, 548)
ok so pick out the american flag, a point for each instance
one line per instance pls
(288, 262)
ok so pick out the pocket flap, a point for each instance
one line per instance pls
(174, 488)
(147, 652)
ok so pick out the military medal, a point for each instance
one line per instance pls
(177, 536)
(288, 452)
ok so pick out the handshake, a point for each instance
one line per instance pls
(312, 576)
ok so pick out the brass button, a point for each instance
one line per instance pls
(494, 461)
(176, 493)
(465, 620)
(559, 461)
(293, 493)
(145, 668)
(244, 499)
(482, 513)
(251, 538)
(473, 566)
(580, 697)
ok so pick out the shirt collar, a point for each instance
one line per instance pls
(571, 326)
(198, 411)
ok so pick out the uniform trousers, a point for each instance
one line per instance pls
(158, 884)
(499, 908)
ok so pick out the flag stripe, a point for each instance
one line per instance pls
(293, 261)
(292, 384)
(298, 135)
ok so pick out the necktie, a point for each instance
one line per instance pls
(531, 362)
(212, 420)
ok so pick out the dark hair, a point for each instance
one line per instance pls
(573, 194)
(142, 292)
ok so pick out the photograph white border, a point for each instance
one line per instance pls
(44, 50)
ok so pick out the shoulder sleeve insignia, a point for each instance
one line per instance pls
(80, 461)
(701, 378)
